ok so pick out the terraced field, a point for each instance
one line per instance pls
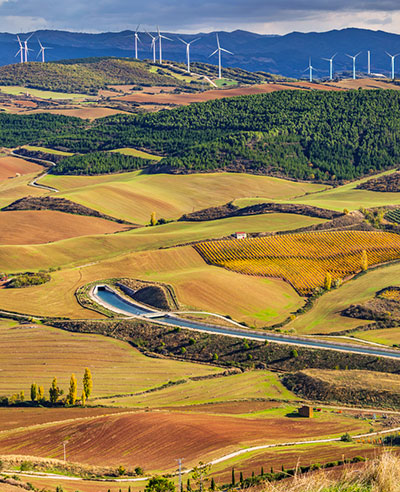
(303, 260)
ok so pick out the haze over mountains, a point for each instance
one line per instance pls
(287, 55)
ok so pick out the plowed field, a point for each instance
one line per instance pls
(46, 226)
(10, 166)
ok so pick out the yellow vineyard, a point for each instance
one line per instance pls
(303, 260)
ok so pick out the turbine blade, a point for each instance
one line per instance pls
(180, 39)
(165, 37)
(334, 55)
(226, 51)
(137, 29)
(218, 41)
(28, 38)
(212, 54)
(194, 40)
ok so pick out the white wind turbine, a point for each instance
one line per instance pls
(393, 57)
(311, 69)
(160, 38)
(42, 50)
(20, 51)
(330, 60)
(354, 63)
(219, 50)
(136, 41)
(188, 51)
(153, 45)
(26, 49)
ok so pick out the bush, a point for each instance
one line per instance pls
(346, 437)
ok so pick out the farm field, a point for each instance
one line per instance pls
(47, 150)
(153, 439)
(249, 385)
(10, 166)
(35, 353)
(42, 94)
(90, 248)
(138, 153)
(387, 336)
(364, 84)
(46, 226)
(325, 316)
(197, 285)
(134, 196)
(18, 187)
(304, 259)
(86, 113)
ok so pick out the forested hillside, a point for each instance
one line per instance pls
(323, 136)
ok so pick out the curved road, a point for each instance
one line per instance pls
(111, 300)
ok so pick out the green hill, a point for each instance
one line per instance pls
(88, 76)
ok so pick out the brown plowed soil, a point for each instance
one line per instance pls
(230, 407)
(154, 439)
(10, 166)
(182, 99)
(46, 226)
(84, 113)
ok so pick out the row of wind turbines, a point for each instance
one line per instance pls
(160, 37)
(23, 51)
(311, 69)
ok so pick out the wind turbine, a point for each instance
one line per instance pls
(330, 60)
(188, 51)
(369, 62)
(160, 38)
(20, 51)
(153, 45)
(393, 57)
(310, 68)
(354, 63)
(42, 50)
(219, 50)
(26, 49)
(136, 41)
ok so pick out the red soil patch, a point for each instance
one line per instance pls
(14, 418)
(46, 226)
(10, 166)
(365, 84)
(84, 113)
(27, 104)
(154, 439)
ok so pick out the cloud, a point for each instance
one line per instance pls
(274, 16)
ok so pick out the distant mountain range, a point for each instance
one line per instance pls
(286, 55)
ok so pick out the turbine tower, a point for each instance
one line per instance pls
(219, 51)
(354, 63)
(369, 62)
(136, 41)
(330, 60)
(42, 50)
(188, 51)
(26, 49)
(153, 45)
(20, 51)
(393, 57)
(311, 69)
(160, 38)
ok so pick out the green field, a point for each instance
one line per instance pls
(38, 353)
(325, 316)
(46, 150)
(13, 189)
(249, 385)
(387, 336)
(16, 90)
(138, 153)
(134, 196)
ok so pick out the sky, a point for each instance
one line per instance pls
(188, 16)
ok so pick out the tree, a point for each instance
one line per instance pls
(188, 486)
(153, 220)
(83, 399)
(73, 391)
(364, 260)
(87, 382)
(200, 474)
(54, 391)
(40, 393)
(233, 476)
(159, 484)
(328, 281)
(241, 477)
(262, 471)
(212, 486)
(34, 391)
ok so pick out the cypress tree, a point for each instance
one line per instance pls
(87, 382)
(262, 471)
(233, 476)
(73, 393)
(241, 477)
(83, 399)
(40, 395)
(34, 391)
(188, 486)
(212, 484)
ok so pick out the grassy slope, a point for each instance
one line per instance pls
(254, 384)
(42, 94)
(134, 196)
(325, 316)
(13, 189)
(388, 336)
(38, 353)
(137, 153)
(47, 151)
(197, 285)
